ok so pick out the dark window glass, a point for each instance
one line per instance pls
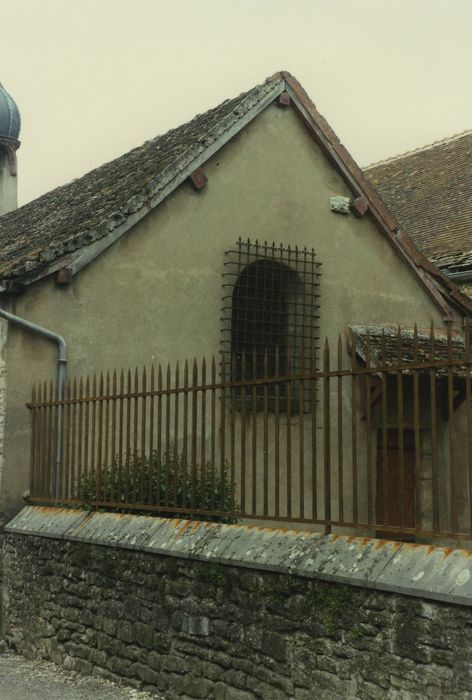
(269, 316)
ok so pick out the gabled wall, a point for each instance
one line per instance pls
(156, 294)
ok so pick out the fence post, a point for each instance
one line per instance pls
(327, 438)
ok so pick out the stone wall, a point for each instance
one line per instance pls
(3, 379)
(203, 629)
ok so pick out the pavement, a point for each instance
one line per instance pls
(23, 679)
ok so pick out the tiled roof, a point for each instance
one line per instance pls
(85, 210)
(430, 192)
(69, 226)
(379, 346)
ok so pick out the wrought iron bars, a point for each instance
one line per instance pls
(269, 308)
(384, 447)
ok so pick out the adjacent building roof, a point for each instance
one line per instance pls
(69, 226)
(430, 192)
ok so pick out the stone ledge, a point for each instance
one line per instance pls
(435, 573)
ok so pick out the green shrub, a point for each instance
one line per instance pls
(166, 482)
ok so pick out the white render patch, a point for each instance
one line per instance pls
(341, 205)
(427, 572)
(463, 577)
(418, 576)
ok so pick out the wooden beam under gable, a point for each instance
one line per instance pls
(64, 276)
(198, 179)
(284, 100)
(359, 206)
(370, 391)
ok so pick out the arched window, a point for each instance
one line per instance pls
(262, 317)
(270, 309)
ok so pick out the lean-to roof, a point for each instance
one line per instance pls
(389, 347)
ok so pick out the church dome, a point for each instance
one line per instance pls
(9, 116)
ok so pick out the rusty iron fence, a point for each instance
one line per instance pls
(375, 440)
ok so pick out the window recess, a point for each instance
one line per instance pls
(270, 315)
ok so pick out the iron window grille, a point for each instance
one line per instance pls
(270, 316)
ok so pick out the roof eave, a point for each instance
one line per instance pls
(76, 261)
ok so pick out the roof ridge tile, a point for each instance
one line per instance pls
(419, 149)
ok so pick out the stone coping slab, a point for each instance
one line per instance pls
(436, 573)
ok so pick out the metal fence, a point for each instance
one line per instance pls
(377, 440)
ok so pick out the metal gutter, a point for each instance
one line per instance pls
(466, 275)
(61, 372)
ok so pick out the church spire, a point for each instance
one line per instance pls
(9, 132)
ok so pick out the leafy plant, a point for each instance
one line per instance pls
(169, 482)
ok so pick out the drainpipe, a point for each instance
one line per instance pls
(61, 373)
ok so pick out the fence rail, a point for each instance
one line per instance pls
(377, 441)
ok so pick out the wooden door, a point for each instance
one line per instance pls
(390, 500)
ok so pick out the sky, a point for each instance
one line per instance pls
(95, 78)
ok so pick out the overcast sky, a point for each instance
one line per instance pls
(94, 78)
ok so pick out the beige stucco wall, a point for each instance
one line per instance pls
(156, 294)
